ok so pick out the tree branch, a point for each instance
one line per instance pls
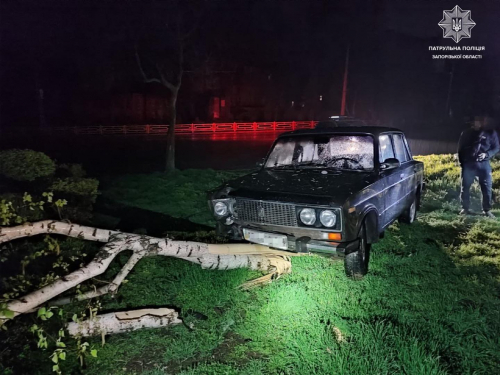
(222, 257)
(164, 80)
(181, 64)
(96, 267)
(57, 227)
(141, 70)
(111, 287)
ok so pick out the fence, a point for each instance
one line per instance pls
(222, 131)
(234, 127)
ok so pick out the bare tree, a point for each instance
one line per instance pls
(165, 49)
(173, 87)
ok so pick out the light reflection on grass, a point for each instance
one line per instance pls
(428, 306)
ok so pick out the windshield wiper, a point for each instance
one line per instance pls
(332, 168)
(311, 164)
(283, 166)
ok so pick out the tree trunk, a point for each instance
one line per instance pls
(222, 257)
(170, 155)
(125, 321)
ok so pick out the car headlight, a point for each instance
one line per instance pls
(220, 209)
(308, 216)
(328, 218)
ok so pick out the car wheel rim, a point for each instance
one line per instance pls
(412, 211)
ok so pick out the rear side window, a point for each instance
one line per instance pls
(400, 148)
(410, 157)
(386, 151)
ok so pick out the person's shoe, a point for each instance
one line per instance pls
(489, 214)
(465, 212)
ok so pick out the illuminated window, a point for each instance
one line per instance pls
(223, 102)
(216, 111)
(293, 103)
(320, 97)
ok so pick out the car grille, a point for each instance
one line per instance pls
(263, 212)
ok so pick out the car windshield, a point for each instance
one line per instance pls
(344, 152)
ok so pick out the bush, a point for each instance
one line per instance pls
(71, 170)
(77, 186)
(80, 194)
(25, 165)
(71, 194)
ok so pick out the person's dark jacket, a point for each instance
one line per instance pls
(474, 142)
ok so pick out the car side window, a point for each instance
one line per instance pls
(400, 148)
(410, 156)
(386, 151)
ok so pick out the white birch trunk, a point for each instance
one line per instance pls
(221, 257)
(58, 227)
(117, 322)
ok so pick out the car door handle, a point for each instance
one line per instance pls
(402, 175)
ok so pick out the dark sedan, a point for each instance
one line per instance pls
(328, 190)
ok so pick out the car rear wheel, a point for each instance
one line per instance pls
(410, 214)
(356, 263)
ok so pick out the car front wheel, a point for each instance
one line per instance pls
(356, 263)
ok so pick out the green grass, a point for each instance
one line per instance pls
(429, 305)
(182, 194)
(417, 311)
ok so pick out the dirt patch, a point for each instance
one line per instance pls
(149, 359)
(226, 348)
(221, 354)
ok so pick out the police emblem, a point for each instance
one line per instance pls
(457, 24)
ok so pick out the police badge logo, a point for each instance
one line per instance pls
(457, 24)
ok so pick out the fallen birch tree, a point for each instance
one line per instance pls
(117, 322)
(221, 256)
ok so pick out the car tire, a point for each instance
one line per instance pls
(410, 214)
(356, 263)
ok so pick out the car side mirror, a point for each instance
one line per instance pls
(390, 163)
(260, 164)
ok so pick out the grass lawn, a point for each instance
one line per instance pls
(429, 305)
(182, 195)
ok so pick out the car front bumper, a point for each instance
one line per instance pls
(339, 248)
(302, 244)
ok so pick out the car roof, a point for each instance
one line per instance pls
(339, 123)
(373, 130)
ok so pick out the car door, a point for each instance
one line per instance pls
(407, 172)
(394, 189)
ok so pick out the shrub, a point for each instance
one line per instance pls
(77, 186)
(25, 165)
(71, 170)
(80, 194)
(34, 172)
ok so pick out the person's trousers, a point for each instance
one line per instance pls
(471, 170)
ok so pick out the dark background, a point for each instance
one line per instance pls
(268, 60)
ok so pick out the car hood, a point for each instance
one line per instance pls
(310, 186)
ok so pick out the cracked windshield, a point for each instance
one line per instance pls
(343, 152)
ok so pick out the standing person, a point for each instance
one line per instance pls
(476, 147)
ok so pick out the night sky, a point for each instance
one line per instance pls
(75, 49)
